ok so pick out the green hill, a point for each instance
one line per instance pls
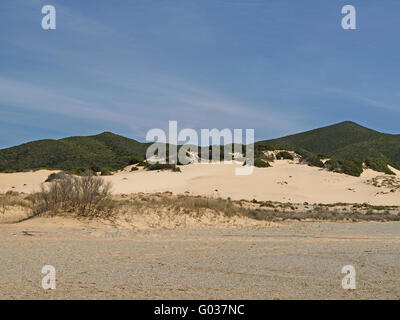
(326, 140)
(347, 144)
(344, 142)
(75, 154)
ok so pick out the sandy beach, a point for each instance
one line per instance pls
(293, 260)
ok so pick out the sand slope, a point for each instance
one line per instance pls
(286, 181)
(23, 181)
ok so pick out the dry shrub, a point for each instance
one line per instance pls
(198, 206)
(87, 196)
(12, 199)
(216, 204)
(186, 204)
(322, 216)
(3, 204)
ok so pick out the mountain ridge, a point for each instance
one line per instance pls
(333, 137)
(347, 141)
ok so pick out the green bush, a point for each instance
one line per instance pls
(264, 147)
(136, 160)
(56, 176)
(333, 165)
(95, 169)
(162, 166)
(284, 155)
(134, 169)
(378, 165)
(261, 163)
(79, 171)
(351, 167)
(310, 158)
(105, 172)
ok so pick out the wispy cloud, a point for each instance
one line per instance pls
(135, 65)
(361, 98)
(25, 95)
(187, 104)
(125, 87)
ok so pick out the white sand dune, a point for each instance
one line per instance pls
(285, 182)
(27, 182)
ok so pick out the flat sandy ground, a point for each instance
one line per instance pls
(292, 260)
(286, 181)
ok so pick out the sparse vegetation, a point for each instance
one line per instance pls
(86, 196)
(13, 199)
(322, 215)
(385, 181)
(162, 166)
(196, 203)
(267, 210)
(89, 197)
(267, 157)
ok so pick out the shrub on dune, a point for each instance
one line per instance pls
(105, 172)
(162, 166)
(136, 160)
(350, 167)
(378, 165)
(261, 163)
(56, 176)
(86, 196)
(284, 155)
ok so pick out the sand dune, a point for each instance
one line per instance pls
(27, 182)
(286, 181)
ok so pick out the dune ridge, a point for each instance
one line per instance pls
(285, 181)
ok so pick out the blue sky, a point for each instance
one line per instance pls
(277, 66)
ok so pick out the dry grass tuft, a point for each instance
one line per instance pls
(12, 199)
(89, 197)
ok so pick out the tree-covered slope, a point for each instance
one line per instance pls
(103, 151)
(385, 147)
(326, 140)
(347, 143)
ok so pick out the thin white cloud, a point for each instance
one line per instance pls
(24, 95)
(362, 99)
(130, 92)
